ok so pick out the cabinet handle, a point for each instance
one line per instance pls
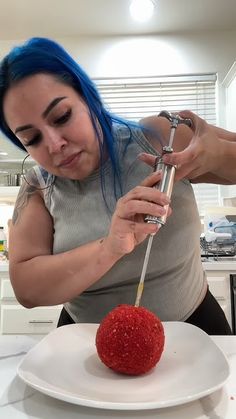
(40, 321)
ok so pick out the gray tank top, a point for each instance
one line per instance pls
(175, 283)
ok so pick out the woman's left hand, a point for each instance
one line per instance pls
(202, 154)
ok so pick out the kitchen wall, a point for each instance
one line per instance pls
(205, 52)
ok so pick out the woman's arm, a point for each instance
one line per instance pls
(41, 278)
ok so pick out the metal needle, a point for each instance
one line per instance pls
(145, 264)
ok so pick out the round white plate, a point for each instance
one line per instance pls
(65, 365)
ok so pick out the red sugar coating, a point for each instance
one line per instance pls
(130, 340)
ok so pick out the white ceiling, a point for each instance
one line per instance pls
(71, 18)
(60, 18)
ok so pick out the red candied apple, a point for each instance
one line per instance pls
(130, 340)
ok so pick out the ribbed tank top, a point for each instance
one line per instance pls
(175, 282)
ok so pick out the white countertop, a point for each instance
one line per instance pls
(220, 265)
(18, 401)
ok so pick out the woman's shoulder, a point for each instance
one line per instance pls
(38, 177)
(127, 129)
(155, 124)
(161, 125)
(143, 133)
(152, 130)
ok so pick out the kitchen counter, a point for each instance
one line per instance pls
(18, 401)
(220, 265)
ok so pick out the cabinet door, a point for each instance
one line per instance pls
(17, 319)
(7, 292)
(219, 286)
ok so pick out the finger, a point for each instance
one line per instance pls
(148, 159)
(152, 179)
(141, 227)
(186, 114)
(133, 207)
(197, 172)
(144, 193)
(187, 172)
(182, 157)
(198, 124)
(169, 212)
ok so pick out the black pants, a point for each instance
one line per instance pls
(208, 316)
(64, 318)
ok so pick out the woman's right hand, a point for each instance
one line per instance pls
(128, 227)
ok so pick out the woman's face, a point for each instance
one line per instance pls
(54, 125)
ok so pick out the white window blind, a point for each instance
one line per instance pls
(136, 97)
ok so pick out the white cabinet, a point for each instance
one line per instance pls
(8, 194)
(17, 319)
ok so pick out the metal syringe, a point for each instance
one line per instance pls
(165, 185)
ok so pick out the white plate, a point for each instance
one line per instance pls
(65, 365)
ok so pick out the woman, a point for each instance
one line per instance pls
(78, 236)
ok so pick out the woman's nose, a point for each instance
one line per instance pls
(55, 142)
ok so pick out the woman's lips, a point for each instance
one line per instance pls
(70, 161)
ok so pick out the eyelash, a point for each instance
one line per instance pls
(59, 121)
(35, 140)
(64, 118)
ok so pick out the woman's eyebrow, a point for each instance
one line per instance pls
(23, 127)
(51, 105)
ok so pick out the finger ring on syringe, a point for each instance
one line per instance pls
(175, 118)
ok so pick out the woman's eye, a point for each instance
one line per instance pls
(64, 118)
(34, 141)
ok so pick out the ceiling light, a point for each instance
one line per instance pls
(141, 10)
(3, 153)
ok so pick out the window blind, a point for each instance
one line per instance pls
(136, 97)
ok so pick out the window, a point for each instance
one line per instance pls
(137, 97)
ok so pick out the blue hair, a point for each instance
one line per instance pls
(42, 55)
